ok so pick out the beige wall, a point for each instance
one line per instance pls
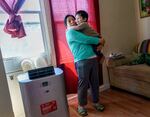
(118, 25)
(143, 24)
(5, 102)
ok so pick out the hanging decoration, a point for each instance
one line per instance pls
(14, 25)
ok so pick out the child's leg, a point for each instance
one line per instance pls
(101, 58)
(97, 52)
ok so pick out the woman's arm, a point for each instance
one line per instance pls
(81, 38)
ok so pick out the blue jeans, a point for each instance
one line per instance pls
(87, 71)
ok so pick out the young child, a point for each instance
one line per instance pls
(83, 26)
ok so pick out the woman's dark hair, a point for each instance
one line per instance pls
(65, 19)
(83, 14)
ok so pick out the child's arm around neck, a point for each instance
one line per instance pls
(80, 26)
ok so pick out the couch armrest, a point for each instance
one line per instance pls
(110, 62)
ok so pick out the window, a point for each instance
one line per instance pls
(34, 44)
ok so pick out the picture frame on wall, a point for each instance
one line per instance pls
(144, 8)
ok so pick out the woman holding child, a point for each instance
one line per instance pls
(86, 64)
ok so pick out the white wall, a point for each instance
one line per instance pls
(5, 102)
(143, 24)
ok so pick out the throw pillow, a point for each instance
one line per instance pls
(139, 58)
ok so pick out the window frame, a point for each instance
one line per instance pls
(13, 64)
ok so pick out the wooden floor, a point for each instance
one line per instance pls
(117, 104)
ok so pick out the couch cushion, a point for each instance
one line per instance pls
(139, 72)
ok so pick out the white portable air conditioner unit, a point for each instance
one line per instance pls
(44, 96)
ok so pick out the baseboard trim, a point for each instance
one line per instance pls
(104, 87)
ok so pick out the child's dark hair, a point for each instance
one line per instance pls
(65, 19)
(83, 14)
